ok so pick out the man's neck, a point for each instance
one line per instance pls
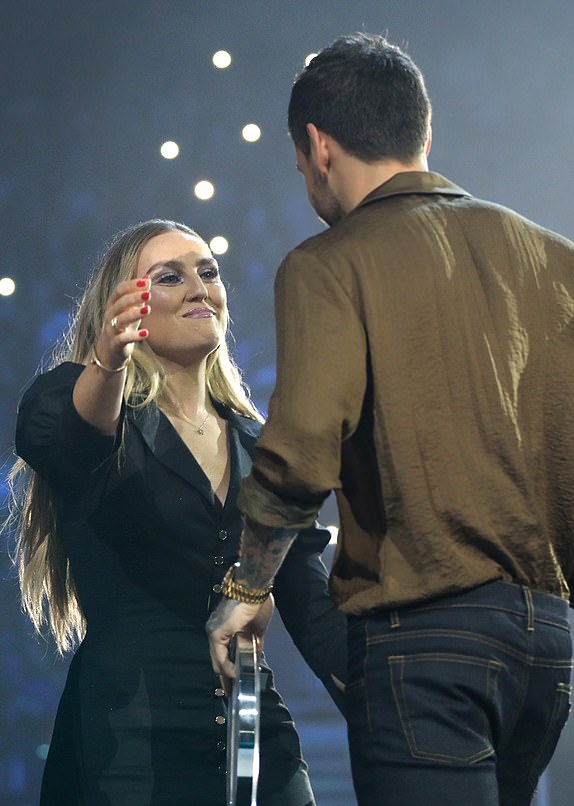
(355, 179)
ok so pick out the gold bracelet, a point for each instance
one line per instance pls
(241, 593)
(95, 360)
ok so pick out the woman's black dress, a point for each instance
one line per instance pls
(141, 721)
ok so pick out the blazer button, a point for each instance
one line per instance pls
(219, 692)
(219, 559)
(220, 720)
(222, 534)
(216, 588)
(221, 745)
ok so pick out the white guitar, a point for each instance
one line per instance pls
(243, 724)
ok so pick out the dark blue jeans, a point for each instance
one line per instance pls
(460, 701)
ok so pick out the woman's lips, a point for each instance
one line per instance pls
(200, 313)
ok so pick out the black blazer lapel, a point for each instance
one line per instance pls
(168, 448)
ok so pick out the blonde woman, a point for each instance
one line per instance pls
(132, 450)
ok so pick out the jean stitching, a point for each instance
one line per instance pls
(523, 657)
(560, 624)
(529, 608)
(543, 663)
(450, 656)
(492, 670)
(562, 689)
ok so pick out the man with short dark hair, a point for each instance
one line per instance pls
(425, 356)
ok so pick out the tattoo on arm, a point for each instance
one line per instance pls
(263, 549)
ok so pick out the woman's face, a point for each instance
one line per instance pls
(188, 317)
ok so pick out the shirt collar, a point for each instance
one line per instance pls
(408, 183)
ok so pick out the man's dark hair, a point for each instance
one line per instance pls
(367, 94)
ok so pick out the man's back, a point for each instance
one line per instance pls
(425, 347)
(458, 470)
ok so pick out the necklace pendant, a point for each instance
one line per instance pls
(200, 431)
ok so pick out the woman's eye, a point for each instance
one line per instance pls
(168, 278)
(209, 274)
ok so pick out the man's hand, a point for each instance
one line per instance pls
(263, 549)
(229, 618)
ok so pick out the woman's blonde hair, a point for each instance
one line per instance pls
(46, 582)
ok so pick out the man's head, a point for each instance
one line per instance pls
(368, 95)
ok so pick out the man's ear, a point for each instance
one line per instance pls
(319, 148)
(428, 142)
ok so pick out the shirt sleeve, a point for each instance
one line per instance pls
(321, 379)
(50, 434)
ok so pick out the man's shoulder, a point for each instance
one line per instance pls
(336, 242)
(398, 217)
(390, 206)
(509, 218)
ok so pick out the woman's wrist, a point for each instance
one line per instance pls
(98, 363)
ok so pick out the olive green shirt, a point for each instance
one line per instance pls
(425, 372)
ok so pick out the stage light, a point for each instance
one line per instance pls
(309, 58)
(334, 532)
(169, 150)
(204, 190)
(221, 59)
(251, 132)
(7, 286)
(219, 245)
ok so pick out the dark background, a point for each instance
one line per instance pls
(90, 90)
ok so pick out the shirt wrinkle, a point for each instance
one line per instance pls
(465, 311)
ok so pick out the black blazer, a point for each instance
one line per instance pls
(140, 521)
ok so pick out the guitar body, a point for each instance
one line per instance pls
(243, 724)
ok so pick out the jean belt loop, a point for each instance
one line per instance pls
(394, 620)
(529, 607)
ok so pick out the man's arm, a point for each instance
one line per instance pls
(263, 549)
(316, 405)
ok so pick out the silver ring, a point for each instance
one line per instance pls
(114, 324)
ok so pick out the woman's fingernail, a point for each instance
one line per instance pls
(144, 309)
(142, 334)
(142, 283)
(145, 295)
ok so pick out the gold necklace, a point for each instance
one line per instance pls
(199, 429)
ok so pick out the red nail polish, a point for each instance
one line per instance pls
(145, 295)
(142, 334)
(141, 283)
(144, 309)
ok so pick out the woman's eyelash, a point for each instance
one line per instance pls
(174, 277)
(167, 276)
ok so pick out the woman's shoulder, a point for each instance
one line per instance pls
(246, 425)
(50, 434)
(62, 376)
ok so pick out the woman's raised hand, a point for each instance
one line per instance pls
(127, 306)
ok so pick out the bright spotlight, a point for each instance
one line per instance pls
(334, 532)
(221, 59)
(204, 190)
(251, 132)
(7, 286)
(309, 58)
(169, 150)
(219, 245)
